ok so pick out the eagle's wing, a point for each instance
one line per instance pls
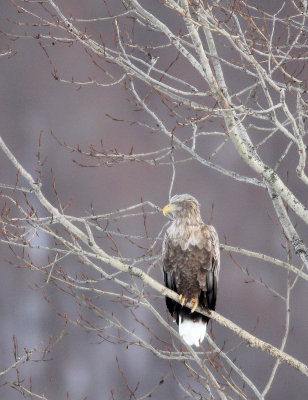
(212, 273)
(169, 275)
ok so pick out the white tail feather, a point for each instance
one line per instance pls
(193, 332)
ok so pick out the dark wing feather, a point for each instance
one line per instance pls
(169, 275)
(170, 284)
(211, 288)
(212, 270)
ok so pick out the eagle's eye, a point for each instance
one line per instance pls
(189, 204)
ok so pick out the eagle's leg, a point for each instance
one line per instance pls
(195, 302)
(182, 299)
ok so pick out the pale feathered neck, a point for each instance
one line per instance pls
(186, 230)
(188, 221)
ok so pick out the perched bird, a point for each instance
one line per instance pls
(191, 263)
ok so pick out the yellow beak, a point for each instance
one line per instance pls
(169, 208)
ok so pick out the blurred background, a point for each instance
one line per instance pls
(33, 101)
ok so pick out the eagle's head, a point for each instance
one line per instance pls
(182, 206)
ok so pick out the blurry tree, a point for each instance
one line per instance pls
(204, 76)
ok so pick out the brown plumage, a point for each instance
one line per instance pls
(191, 262)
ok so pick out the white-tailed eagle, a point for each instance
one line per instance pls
(191, 263)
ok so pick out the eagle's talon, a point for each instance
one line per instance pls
(195, 302)
(182, 299)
